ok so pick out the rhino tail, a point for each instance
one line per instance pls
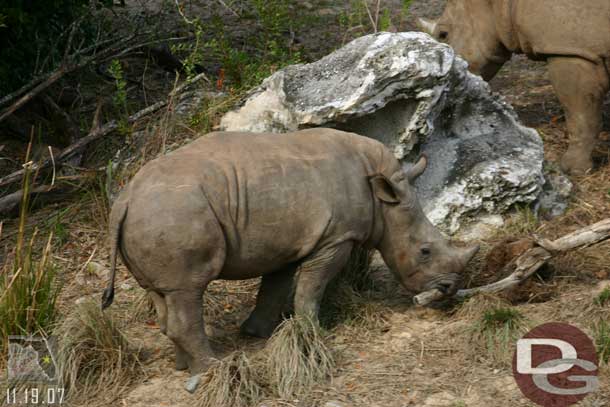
(117, 217)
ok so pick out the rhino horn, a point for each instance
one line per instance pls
(427, 25)
(468, 253)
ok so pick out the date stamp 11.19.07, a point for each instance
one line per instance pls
(32, 374)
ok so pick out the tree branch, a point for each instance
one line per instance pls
(99, 132)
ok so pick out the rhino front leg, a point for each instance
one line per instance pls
(315, 273)
(272, 301)
(581, 86)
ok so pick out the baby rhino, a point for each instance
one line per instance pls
(289, 208)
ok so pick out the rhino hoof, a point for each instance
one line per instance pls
(576, 163)
(251, 328)
(193, 383)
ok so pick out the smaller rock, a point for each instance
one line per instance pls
(126, 286)
(327, 12)
(80, 300)
(555, 196)
(419, 372)
(98, 270)
(440, 399)
(192, 383)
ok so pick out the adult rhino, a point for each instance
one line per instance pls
(289, 208)
(572, 36)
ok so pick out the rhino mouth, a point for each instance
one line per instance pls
(447, 284)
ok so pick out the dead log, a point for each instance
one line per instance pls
(9, 204)
(529, 262)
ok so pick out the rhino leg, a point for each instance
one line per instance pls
(272, 301)
(315, 273)
(161, 307)
(185, 328)
(581, 87)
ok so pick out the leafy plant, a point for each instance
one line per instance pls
(242, 67)
(120, 95)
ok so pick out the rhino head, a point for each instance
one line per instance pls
(416, 251)
(469, 27)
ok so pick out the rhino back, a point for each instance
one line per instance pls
(564, 27)
(279, 197)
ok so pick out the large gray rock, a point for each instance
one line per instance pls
(415, 95)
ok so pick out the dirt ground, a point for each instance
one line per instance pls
(394, 354)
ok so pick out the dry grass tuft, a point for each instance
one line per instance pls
(143, 308)
(95, 358)
(231, 382)
(297, 357)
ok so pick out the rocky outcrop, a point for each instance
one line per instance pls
(416, 96)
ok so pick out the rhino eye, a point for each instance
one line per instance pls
(425, 251)
(443, 35)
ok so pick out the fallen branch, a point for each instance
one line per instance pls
(10, 203)
(529, 262)
(97, 133)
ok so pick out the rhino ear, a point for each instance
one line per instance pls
(418, 168)
(384, 189)
(426, 25)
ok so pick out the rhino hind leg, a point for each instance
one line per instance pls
(315, 273)
(581, 86)
(185, 328)
(161, 308)
(272, 302)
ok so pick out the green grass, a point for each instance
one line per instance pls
(602, 340)
(501, 318)
(525, 222)
(28, 286)
(603, 298)
(495, 333)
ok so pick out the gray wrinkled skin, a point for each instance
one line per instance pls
(572, 36)
(289, 208)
